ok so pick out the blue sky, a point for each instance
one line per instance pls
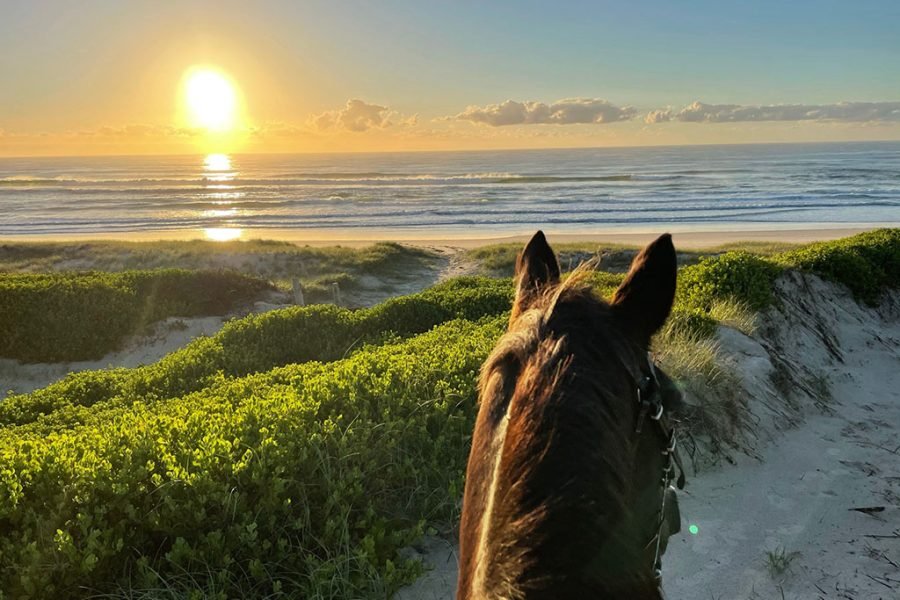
(70, 66)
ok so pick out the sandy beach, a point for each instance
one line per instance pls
(691, 237)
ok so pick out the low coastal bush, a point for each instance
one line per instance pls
(734, 275)
(867, 263)
(261, 342)
(79, 316)
(303, 482)
(317, 268)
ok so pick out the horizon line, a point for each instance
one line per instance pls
(454, 151)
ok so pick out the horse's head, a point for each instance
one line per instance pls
(565, 485)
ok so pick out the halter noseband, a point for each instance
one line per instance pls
(651, 405)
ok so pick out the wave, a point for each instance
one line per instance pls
(694, 177)
(128, 184)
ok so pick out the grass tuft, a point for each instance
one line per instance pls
(735, 314)
(779, 560)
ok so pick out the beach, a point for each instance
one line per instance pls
(687, 238)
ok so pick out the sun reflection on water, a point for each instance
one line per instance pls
(223, 234)
(218, 168)
(217, 162)
(218, 175)
(220, 213)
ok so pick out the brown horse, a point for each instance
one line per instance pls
(568, 475)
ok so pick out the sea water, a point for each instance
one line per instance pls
(456, 193)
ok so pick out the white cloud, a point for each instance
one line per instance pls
(658, 116)
(357, 115)
(562, 112)
(855, 112)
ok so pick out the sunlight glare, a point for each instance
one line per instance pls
(211, 100)
(222, 234)
(217, 162)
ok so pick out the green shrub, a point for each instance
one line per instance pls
(260, 342)
(304, 481)
(867, 263)
(79, 316)
(733, 275)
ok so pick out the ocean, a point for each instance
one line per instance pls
(455, 193)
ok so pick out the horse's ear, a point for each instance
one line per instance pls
(644, 300)
(536, 269)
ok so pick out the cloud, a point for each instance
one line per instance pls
(137, 130)
(562, 112)
(658, 116)
(851, 112)
(357, 115)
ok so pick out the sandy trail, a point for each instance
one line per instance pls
(798, 498)
(795, 495)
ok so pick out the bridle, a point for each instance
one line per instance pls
(650, 403)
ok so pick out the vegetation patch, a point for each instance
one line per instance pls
(737, 276)
(259, 343)
(499, 260)
(302, 482)
(317, 268)
(78, 316)
(868, 263)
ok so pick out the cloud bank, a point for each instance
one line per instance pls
(357, 115)
(563, 112)
(850, 112)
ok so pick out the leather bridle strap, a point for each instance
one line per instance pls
(650, 400)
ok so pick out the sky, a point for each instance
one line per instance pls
(108, 77)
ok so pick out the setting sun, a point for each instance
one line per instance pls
(211, 100)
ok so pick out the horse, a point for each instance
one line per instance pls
(567, 492)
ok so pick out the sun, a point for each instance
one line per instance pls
(211, 100)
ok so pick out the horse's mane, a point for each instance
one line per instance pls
(557, 439)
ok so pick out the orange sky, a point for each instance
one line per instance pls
(109, 77)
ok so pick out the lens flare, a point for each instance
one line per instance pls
(694, 529)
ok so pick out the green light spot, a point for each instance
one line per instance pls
(693, 529)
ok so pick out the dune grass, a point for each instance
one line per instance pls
(499, 260)
(279, 262)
